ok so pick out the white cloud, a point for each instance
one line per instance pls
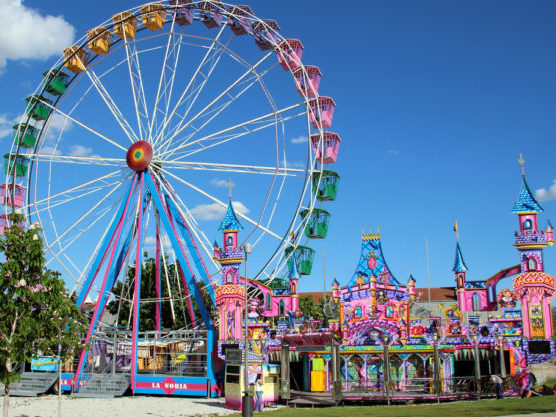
(542, 194)
(393, 152)
(220, 183)
(80, 150)
(6, 126)
(215, 211)
(150, 242)
(25, 34)
(299, 139)
(49, 150)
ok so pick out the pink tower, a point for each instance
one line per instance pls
(460, 270)
(534, 286)
(230, 295)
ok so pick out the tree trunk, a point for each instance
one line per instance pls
(59, 386)
(6, 399)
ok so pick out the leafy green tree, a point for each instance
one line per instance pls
(37, 316)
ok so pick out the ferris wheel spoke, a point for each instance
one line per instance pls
(74, 188)
(73, 159)
(51, 203)
(198, 233)
(83, 125)
(61, 252)
(86, 214)
(165, 87)
(257, 120)
(250, 70)
(215, 111)
(110, 103)
(222, 204)
(137, 89)
(185, 93)
(247, 169)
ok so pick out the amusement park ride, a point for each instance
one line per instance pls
(116, 156)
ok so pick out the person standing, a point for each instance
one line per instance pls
(259, 392)
(498, 381)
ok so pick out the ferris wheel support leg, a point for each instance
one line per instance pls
(110, 275)
(178, 250)
(104, 248)
(157, 277)
(190, 242)
(187, 297)
(137, 288)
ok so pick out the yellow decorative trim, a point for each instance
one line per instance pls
(230, 261)
(530, 245)
(370, 236)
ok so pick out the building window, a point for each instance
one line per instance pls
(230, 240)
(282, 311)
(527, 224)
(229, 277)
(532, 264)
(268, 302)
(476, 299)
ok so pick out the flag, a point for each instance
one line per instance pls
(456, 226)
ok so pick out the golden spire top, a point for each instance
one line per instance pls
(230, 185)
(521, 162)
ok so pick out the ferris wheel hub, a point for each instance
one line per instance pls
(139, 155)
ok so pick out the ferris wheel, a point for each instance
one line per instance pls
(134, 138)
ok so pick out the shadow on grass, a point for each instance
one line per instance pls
(483, 408)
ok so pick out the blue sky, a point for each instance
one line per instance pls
(435, 102)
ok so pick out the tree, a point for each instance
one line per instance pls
(37, 316)
(147, 310)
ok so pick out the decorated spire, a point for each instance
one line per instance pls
(230, 221)
(525, 203)
(411, 278)
(294, 274)
(459, 263)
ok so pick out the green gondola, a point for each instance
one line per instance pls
(327, 188)
(25, 135)
(317, 225)
(15, 164)
(56, 82)
(37, 108)
(304, 256)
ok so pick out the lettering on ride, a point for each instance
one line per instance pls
(169, 386)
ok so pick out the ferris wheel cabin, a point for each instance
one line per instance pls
(183, 11)
(38, 107)
(322, 112)
(6, 221)
(304, 256)
(264, 33)
(56, 82)
(290, 52)
(238, 22)
(317, 223)
(12, 195)
(125, 25)
(76, 59)
(99, 40)
(325, 185)
(25, 135)
(327, 148)
(210, 13)
(15, 164)
(307, 80)
(154, 15)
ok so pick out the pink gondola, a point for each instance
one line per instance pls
(265, 34)
(290, 52)
(12, 195)
(327, 150)
(307, 82)
(322, 112)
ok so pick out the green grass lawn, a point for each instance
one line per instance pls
(508, 406)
